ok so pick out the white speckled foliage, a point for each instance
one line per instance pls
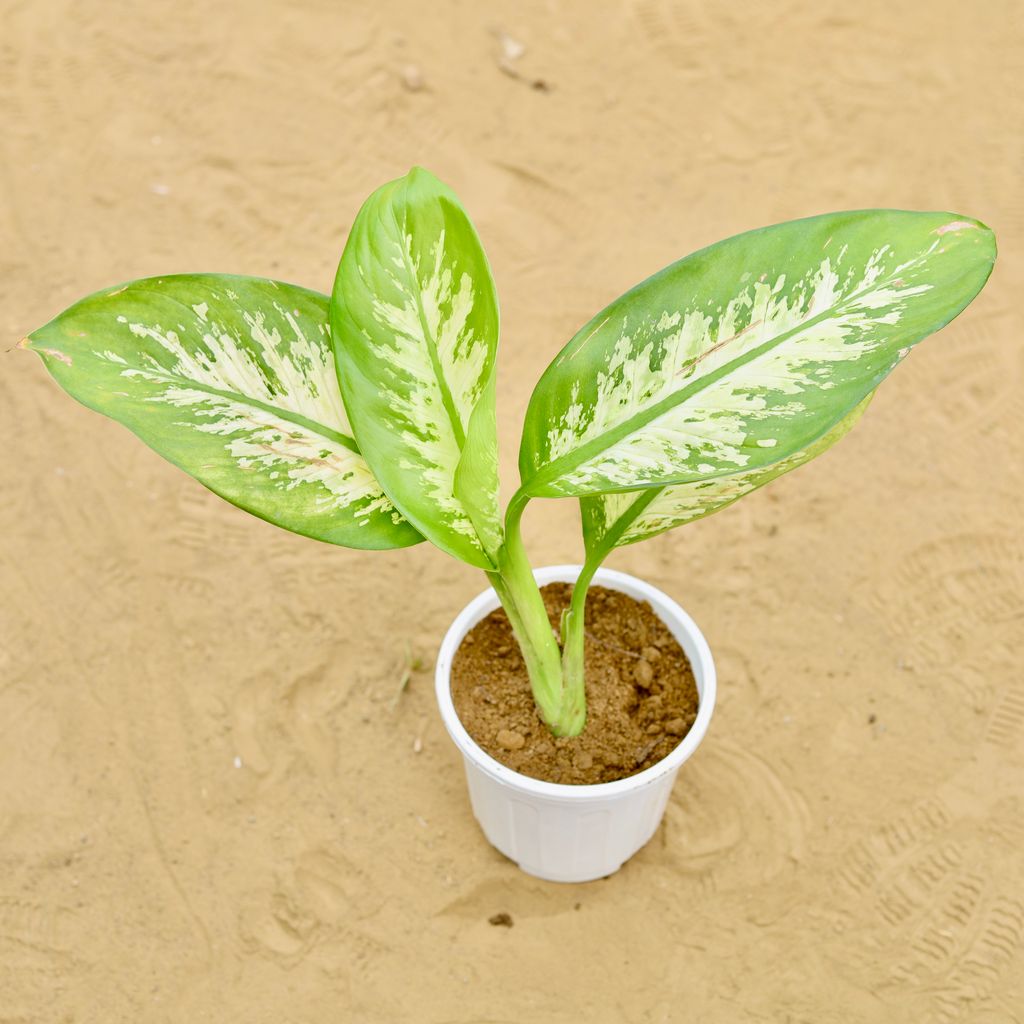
(233, 380)
(415, 319)
(746, 352)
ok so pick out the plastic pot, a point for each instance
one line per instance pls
(566, 833)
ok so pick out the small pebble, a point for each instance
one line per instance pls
(651, 653)
(643, 674)
(653, 729)
(584, 760)
(676, 727)
(511, 49)
(412, 78)
(503, 650)
(511, 740)
(502, 920)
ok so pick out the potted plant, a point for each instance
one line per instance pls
(367, 420)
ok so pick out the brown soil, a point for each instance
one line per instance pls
(641, 695)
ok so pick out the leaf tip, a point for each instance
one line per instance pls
(416, 171)
(428, 184)
(53, 353)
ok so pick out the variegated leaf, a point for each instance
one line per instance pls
(625, 517)
(745, 352)
(415, 323)
(233, 380)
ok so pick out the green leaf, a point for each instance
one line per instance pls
(415, 324)
(625, 517)
(232, 379)
(748, 351)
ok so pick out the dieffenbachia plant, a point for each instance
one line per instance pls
(367, 419)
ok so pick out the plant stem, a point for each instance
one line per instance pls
(562, 710)
(573, 634)
(573, 681)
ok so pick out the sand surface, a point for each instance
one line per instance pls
(212, 808)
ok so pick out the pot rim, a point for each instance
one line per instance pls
(665, 608)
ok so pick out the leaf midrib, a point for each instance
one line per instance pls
(596, 445)
(431, 342)
(236, 396)
(292, 417)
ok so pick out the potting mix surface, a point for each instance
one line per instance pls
(226, 793)
(641, 695)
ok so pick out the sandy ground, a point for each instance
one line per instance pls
(209, 809)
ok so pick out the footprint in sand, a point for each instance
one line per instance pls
(335, 889)
(673, 31)
(919, 914)
(277, 926)
(205, 525)
(955, 595)
(37, 944)
(976, 385)
(732, 821)
(962, 948)
(324, 895)
(277, 719)
(1006, 724)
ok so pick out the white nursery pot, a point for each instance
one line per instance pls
(566, 833)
